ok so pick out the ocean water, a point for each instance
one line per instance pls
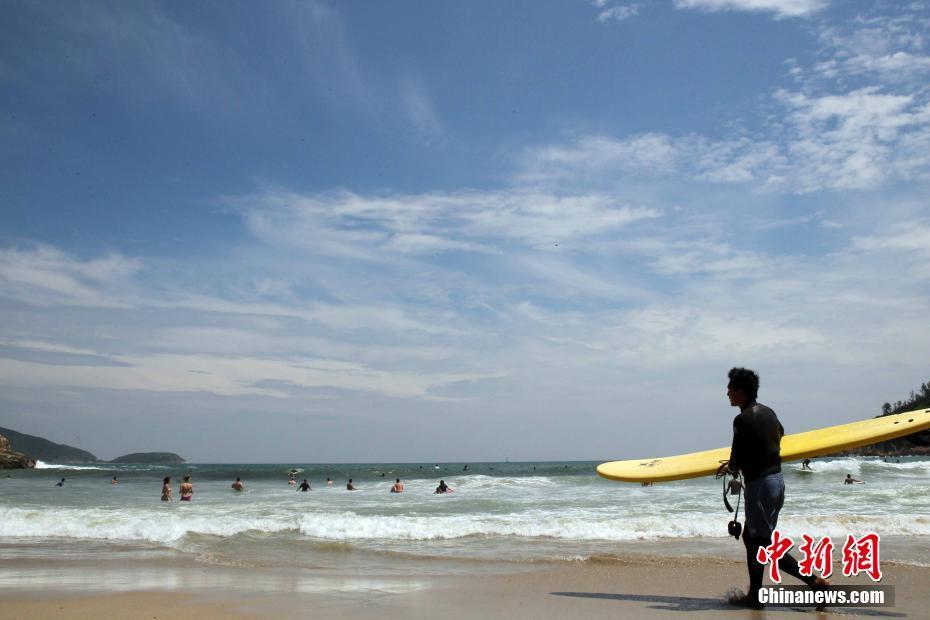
(499, 513)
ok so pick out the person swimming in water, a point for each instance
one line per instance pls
(443, 488)
(60, 483)
(350, 486)
(166, 489)
(114, 481)
(187, 489)
(304, 486)
(398, 486)
(329, 482)
(850, 480)
(237, 485)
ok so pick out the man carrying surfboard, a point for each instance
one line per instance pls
(756, 453)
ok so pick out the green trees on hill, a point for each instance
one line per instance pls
(918, 443)
(917, 400)
(909, 445)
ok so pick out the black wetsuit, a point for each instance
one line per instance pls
(756, 447)
(756, 452)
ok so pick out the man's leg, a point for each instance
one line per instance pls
(787, 563)
(756, 569)
(754, 522)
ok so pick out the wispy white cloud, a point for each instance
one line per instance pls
(44, 275)
(231, 376)
(617, 12)
(327, 54)
(144, 49)
(258, 356)
(903, 237)
(855, 140)
(342, 75)
(353, 225)
(421, 111)
(781, 8)
(889, 47)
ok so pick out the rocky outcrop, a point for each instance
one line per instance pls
(156, 458)
(13, 460)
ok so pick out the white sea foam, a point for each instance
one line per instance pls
(857, 467)
(129, 525)
(843, 465)
(44, 465)
(169, 527)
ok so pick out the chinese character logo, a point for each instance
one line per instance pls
(774, 552)
(816, 556)
(861, 556)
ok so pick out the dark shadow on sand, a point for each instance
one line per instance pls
(671, 603)
(692, 603)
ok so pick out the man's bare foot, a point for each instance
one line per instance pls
(747, 601)
(820, 584)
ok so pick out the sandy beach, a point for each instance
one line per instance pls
(641, 586)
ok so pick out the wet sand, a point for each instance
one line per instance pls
(639, 587)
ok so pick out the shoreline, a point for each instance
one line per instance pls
(641, 586)
(261, 551)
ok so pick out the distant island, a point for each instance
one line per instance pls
(42, 449)
(150, 458)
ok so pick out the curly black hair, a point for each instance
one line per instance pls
(745, 380)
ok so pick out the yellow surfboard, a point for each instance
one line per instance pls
(793, 447)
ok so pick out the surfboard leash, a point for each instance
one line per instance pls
(734, 527)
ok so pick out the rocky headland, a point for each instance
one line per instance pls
(42, 449)
(10, 459)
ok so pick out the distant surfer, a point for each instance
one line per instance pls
(350, 486)
(60, 483)
(166, 489)
(187, 489)
(237, 485)
(397, 487)
(443, 488)
(756, 453)
(850, 480)
(806, 465)
(304, 486)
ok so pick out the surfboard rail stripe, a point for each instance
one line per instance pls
(808, 444)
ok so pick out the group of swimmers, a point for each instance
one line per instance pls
(187, 488)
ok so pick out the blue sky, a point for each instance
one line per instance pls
(309, 231)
